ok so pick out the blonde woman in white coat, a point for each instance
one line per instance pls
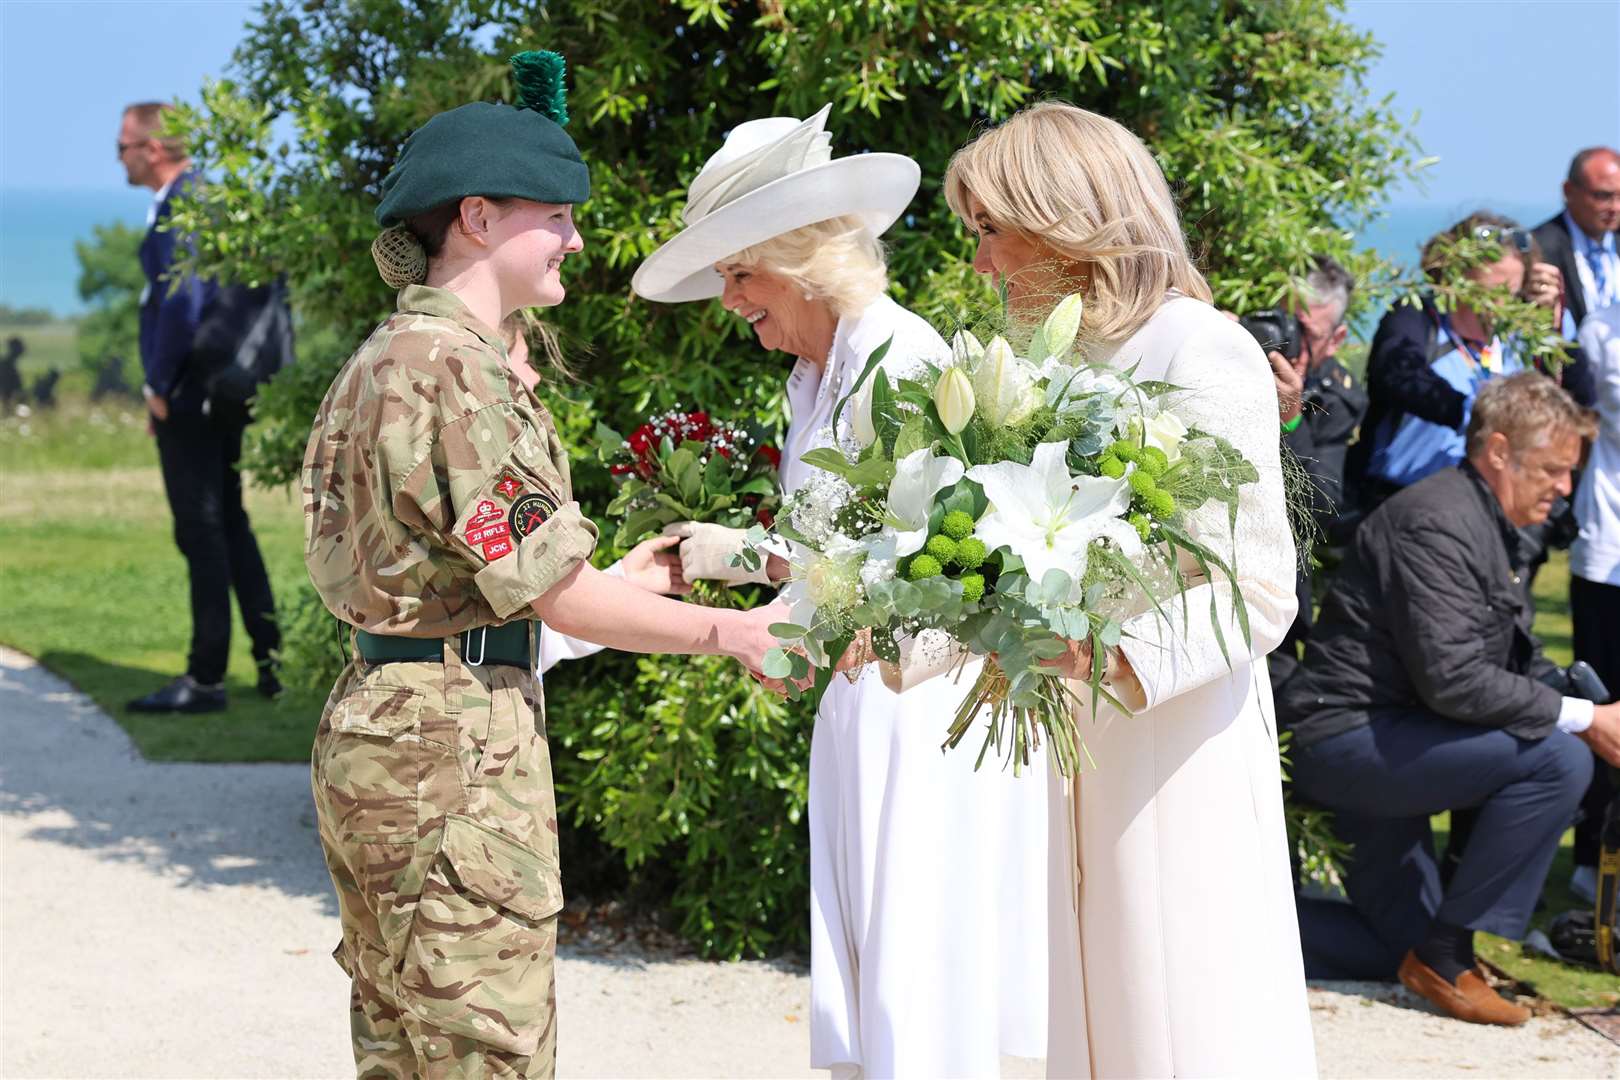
(928, 898)
(1175, 949)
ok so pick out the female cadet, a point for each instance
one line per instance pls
(439, 522)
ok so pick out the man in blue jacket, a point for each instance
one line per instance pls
(199, 440)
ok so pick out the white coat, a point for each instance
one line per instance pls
(1175, 946)
(927, 879)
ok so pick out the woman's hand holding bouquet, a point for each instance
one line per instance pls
(1026, 506)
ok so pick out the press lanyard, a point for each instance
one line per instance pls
(1490, 358)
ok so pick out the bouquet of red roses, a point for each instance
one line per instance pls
(687, 466)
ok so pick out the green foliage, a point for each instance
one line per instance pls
(25, 316)
(313, 642)
(110, 281)
(1256, 108)
(685, 763)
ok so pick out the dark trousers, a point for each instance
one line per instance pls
(199, 456)
(1383, 780)
(1595, 610)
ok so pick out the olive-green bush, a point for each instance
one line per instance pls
(1256, 108)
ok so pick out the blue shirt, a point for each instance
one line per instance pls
(1406, 448)
(1597, 263)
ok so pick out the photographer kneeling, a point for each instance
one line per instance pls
(1423, 690)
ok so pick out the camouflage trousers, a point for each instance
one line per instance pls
(439, 822)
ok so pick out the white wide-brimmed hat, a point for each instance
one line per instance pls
(772, 176)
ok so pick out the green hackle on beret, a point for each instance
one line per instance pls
(499, 151)
(539, 77)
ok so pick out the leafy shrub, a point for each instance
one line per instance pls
(312, 642)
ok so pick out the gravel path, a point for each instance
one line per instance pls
(169, 920)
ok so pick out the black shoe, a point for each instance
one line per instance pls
(269, 685)
(183, 695)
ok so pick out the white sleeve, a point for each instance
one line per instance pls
(556, 647)
(1228, 391)
(923, 656)
(1575, 715)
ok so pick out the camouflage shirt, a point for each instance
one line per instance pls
(436, 492)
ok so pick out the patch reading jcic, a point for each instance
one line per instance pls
(529, 513)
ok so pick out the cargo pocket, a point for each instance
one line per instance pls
(478, 963)
(370, 765)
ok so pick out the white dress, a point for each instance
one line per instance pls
(928, 922)
(1175, 946)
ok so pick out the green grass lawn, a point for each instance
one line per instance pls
(92, 585)
(46, 346)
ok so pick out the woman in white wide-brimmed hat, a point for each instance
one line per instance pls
(928, 900)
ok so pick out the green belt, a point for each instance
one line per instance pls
(505, 645)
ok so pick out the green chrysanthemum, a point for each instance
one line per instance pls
(957, 525)
(1125, 450)
(942, 548)
(972, 587)
(1162, 503)
(1153, 461)
(1143, 484)
(924, 566)
(1110, 466)
(971, 553)
(1141, 524)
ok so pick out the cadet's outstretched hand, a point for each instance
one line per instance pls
(655, 565)
(760, 620)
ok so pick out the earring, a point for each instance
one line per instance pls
(808, 296)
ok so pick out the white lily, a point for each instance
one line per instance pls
(1048, 517)
(1004, 385)
(1063, 325)
(1164, 430)
(861, 424)
(918, 477)
(953, 398)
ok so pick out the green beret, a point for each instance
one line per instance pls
(501, 151)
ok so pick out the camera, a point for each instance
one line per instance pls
(1275, 330)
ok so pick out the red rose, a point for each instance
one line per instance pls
(772, 455)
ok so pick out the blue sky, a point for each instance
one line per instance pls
(1506, 90)
(1495, 83)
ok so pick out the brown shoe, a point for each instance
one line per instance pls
(1468, 999)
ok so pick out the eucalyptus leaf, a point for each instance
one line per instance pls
(777, 665)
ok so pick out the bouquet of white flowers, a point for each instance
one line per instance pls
(1013, 502)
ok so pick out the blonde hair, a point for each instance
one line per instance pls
(837, 261)
(539, 336)
(1087, 189)
(1530, 409)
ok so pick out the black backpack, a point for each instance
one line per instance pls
(243, 340)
